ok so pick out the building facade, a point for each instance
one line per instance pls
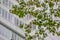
(6, 34)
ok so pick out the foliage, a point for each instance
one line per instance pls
(43, 18)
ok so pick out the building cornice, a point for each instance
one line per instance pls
(12, 27)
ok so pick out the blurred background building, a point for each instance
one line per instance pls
(5, 33)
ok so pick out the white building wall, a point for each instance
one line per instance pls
(5, 6)
(5, 32)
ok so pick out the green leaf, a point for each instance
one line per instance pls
(41, 31)
(21, 26)
(28, 30)
(51, 4)
(43, 5)
(58, 33)
(38, 5)
(30, 37)
(46, 20)
(39, 16)
(44, 35)
(46, 1)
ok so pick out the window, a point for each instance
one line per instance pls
(0, 1)
(16, 21)
(8, 16)
(7, 3)
(0, 10)
(5, 14)
(10, 4)
(4, 2)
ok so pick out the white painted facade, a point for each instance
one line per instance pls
(6, 34)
